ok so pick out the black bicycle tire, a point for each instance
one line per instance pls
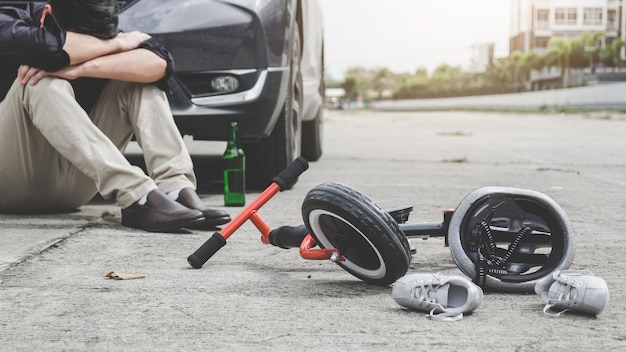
(376, 226)
(563, 256)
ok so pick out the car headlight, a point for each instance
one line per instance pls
(225, 84)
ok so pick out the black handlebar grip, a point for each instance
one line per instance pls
(288, 236)
(206, 251)
(290, 174)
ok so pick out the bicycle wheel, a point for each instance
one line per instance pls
(375, 249)
(506, 239)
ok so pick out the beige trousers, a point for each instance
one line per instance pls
(55, 157)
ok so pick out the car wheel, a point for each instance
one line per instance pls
(271, 155)
(312, 137)
(312, 130)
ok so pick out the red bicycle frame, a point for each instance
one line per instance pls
(250, 212)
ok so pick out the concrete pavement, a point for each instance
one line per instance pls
(54, 295)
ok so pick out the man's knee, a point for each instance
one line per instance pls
(140, 89)
(134, 96)
(50, 97)
(48, 88)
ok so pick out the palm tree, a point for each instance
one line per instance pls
(529, 61)
(535, 61)
(606, 56)
(514, 63)
(618, 45)
(592, 49)
(496, 75)
(559, 55)
(578, 57)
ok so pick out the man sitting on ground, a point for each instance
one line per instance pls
(73, 92)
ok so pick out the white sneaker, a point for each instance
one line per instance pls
(445, 297)
(573, 290)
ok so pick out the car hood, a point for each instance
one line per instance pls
(207, 35)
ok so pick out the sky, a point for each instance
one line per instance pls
(404, 35)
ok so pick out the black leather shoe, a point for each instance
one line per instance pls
(160, 214)
(189, 198)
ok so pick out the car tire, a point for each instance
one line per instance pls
(312, 137)
(312, 130)
(267, 158)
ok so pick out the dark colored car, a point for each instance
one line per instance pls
(259, 63)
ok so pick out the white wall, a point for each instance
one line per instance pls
(607, 96)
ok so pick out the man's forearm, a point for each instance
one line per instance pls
(82, 47)
(139, 65)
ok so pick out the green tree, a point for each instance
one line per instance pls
(618, 45)
(559, 55)
(593, 46)
(534, 61)
(578, 57)
(384, 80)
(358, 82)
(497, 75)
(513, 65)
(421, 73)
(606, 56)
(413, 86)
(350, 87)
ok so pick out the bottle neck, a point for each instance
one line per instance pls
(234, 136)
(234, 133)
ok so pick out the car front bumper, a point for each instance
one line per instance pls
(255, 109)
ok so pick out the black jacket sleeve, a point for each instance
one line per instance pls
(154, 46)
(23, 41)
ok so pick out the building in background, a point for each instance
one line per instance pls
(482, 56)
(535, 22)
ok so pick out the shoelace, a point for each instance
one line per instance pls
(567, 294)
(445, 316)
(423, 294)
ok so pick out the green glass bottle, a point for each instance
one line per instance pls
(234, 170)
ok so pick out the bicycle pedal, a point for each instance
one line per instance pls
(401, 215)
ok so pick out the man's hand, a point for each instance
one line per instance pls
(130, 40)
(29, 74)
(32, 75)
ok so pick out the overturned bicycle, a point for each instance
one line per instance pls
(505, 239)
